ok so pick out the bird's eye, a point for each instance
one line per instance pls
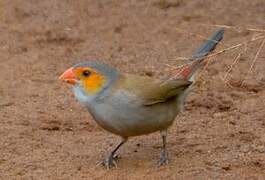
(86, 73)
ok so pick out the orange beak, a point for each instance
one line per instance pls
(69, 77)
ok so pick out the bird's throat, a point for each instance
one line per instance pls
(82, 96)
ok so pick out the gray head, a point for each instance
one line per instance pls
(90, 79)
(100, 67)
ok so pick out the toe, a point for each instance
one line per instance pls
(163, 160)
(109, 162)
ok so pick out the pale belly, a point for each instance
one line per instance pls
(127, 119)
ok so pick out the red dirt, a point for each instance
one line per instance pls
(46, 134)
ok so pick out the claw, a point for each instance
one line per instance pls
(109, 162)
(163, 160)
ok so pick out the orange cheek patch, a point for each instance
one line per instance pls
(94, 82)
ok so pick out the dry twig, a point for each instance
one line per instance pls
(234, 47)
(227, 49)
(254, 60)
(234, 27)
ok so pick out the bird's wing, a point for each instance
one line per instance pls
(151, 91)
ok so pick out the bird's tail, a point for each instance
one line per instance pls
(209, 45)
(188, 71)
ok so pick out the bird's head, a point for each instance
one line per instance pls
(89, 79)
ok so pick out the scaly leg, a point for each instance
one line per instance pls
(163, 160)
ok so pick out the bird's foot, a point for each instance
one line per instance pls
(163, 160)
(110, 161)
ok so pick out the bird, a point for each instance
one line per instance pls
(130, 105)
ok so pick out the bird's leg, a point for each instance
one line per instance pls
(163, 160)
(110, 160)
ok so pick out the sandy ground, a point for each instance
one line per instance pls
(46, 134)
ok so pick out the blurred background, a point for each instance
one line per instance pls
(46, 134)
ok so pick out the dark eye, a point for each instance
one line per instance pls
(86, 73)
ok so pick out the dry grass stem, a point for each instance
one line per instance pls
(235, 46)
(231, 67)
(226, 49)
(257, 55)
(243, 28)
(197, 35)
(243, 45)
(254, 60)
